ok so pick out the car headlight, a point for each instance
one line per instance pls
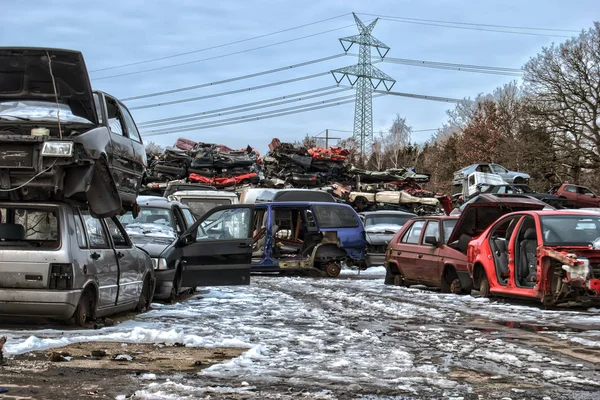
(159, 263)
(57, 149)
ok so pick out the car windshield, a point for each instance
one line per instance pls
(36, 110)
(571, 230)
(26, 227)
(201, 206)
(448, 226)
(151, 222)
(385, 223)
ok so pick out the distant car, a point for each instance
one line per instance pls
(508, 176)
(519, 250)
(576, 196)
(419, 254)
(59, 139)
(156, 229)
(515, 188)
(58, 261)
(381, 226)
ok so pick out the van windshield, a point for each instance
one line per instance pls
(29, 227)
(331, 216)
(201, 206)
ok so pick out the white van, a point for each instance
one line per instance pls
(201, 201)
(474, 181)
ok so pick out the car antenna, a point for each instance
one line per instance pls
(55, 94)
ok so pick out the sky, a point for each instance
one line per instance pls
(115, 33)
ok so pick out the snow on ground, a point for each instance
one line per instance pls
(352, 333)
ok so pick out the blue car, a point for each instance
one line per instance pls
(231, 241)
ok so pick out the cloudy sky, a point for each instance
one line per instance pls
(117, 33)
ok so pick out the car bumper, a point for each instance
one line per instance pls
(374, 259)
(39, 303)
(164, 283)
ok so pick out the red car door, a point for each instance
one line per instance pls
(428, 257)
(408, 250)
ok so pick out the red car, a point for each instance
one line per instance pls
(517, 249)
(419, 254)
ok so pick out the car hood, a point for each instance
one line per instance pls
(153, 245)
(25, 75)
(483, 210)
(379, 238)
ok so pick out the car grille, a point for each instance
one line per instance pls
(16, 155)
(376, 248)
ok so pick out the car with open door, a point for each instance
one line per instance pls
(61, 140)
(515, 248)
(217, 249)
(419, 254)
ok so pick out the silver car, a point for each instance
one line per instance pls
(58, 261)
(508, 176)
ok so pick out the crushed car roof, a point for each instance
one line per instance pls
(25, 74)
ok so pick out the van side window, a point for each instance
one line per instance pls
(79, 232)
(95, 232)
(414, 233)
(117, 235)
(115, 119)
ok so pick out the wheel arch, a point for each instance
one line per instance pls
(478, 272)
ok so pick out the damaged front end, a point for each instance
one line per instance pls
(572, 276)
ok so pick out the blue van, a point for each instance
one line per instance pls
(277, 237)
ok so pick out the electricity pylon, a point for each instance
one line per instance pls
(366, 78)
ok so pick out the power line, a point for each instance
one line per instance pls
(439, 63)
(237, 78)
(290, 110)
(219, 45)
(221, 56)
(474, 28)
(242, 108)
(455, 67)
(218, 124)
(471, 24)
(210, 96)
(250, 116)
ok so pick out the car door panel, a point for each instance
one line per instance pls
(218, 248)
(130, 279)
(104, 261)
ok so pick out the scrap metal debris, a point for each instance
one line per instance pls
(287, 165)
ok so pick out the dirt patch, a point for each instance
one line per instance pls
(100, 369)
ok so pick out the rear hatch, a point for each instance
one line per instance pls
(29, 246)
(482, 211)
(33, 73)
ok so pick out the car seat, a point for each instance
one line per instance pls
(12, 232)
(527, 257)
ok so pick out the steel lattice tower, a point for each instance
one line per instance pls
(366, 78)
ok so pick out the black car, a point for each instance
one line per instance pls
(523, 189)
(60, 140)
(156, 229)
(380, 227)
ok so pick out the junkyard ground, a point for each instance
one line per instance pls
(290, 338)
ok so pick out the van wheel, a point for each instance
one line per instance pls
(333, 269)
(82, 311)
(144, 300)
(484, 286)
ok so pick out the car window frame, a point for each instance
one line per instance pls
(77, 217)
(117, 223)
(125, 133)
(104, 230)
(125, 112)
(407, 233)
(423, 233)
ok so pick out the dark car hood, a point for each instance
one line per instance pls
(379, 238)
(483, 210)
(25, 75)
(153, 245)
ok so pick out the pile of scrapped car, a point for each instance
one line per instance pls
(289, 166)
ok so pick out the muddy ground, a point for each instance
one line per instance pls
(100, 369)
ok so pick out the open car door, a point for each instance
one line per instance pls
(217, 249)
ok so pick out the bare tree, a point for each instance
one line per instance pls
(564, 83)
(377, 159)
(152, 148)
(397, 139)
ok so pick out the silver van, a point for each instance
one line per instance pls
(58, 261)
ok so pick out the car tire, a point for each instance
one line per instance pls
(176, 287)
(82, 311)
(399, 280)
(333, 269)
(456, 287)
(484, 286)
(389, 277)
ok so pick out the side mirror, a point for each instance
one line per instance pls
(184, 240)
(432, 240)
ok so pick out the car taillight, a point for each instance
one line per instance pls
(61, 276)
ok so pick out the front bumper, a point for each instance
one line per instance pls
(39, 303)
(374, 259)
(164, 283)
